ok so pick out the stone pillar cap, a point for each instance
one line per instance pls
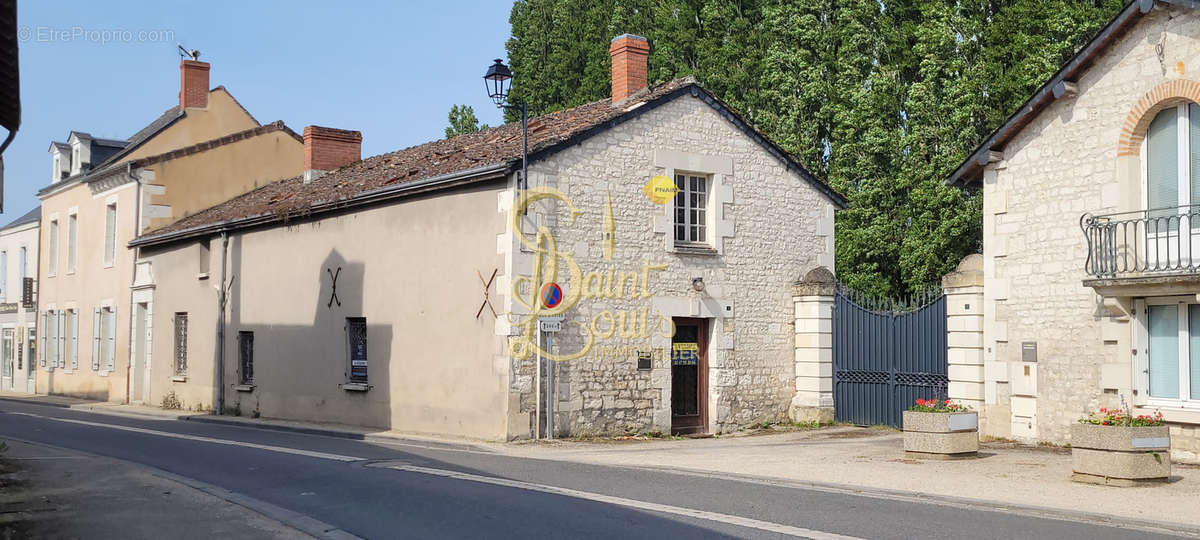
(817, 282)
(968, 274)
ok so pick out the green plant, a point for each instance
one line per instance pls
(938, 406)
(1122, 417)
(171, 402)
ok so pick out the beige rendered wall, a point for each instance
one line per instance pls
(192, 183)
(91, 285)
(222, 117)
(1062, 165)
(11, 241)
(767, 225)
(410, 268)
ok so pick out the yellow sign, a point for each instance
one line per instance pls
(685, 346)
(660, 190)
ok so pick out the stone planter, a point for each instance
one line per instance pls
(941, 435)
(1120, 455)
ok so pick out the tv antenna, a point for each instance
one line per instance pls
(183, 52)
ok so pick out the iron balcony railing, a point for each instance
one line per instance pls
(1128, 244)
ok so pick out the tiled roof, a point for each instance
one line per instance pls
(495, 146)
(31, 216)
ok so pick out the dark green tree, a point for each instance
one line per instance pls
(462, 120)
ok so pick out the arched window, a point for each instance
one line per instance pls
(1172, 165)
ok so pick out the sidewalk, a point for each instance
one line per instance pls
(1007, 476)
(47, 492)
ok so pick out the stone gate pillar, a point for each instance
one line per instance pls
(964, 332)
(813, 298)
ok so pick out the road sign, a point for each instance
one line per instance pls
(551, 295)
(550, 326)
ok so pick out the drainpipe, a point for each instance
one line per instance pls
(137, 231)
(221, 326)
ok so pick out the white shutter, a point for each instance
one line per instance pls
(111, 338)
(96, 339)
(45, 328)
(74, 338)
(62, 340)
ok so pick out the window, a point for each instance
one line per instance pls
(52, 255)
(97, 341)
(1173, 159)
(52, 342)
(110, 234)
(45, 330)
(21, 267)
(71, 337)
(105, 340)
(356, 340)
(246, 357)
(3, 276)
(181, 335)
(205, 257)
(691, 208)
(1172, 344)
(72, 242)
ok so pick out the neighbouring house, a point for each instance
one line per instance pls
(647, 261)
(1091, 255)
(102, 194)
(18, 288)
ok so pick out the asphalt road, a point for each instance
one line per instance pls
(427, 491)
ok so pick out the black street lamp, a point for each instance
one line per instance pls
(496, 82)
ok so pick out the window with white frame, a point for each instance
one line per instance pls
(691, 209)
(110, 234)
(4, 276)
(52, 254)
(72, 242)
(108, 338)
(22, 267)
(71, 337)
(1172, 160)
(1170, 347)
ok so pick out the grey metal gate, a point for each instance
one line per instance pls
(886, 354)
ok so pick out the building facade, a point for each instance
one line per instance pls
(1089, 257)
(638, 281)
(18, 307)
(104, 193)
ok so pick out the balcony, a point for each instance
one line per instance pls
(1143, 253)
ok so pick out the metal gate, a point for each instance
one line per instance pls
(886, 354)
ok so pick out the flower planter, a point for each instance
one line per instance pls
(1120, 455)
(941, 434)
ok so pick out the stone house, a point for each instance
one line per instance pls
(638, 280)
(102, 194)
(18, 308)
(1090, 195)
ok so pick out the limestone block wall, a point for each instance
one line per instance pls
(1065, 163)
(767, 225)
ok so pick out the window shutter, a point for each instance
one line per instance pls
(111, 339)
(110, 233)
(45, 329)
(74, 339)
(96, 339)
(58, 350)
(1162, 164)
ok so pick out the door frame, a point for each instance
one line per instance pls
(702, 334)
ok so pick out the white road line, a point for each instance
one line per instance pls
(620, 501)
(280, 449)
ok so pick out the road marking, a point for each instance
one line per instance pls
(630, 503)
(270, 448)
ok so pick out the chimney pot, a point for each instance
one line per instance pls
(629, 69)
(193, 84)
(327, 149)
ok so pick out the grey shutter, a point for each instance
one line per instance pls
(96, 339)
(45, 329)
(1162, 165)
(111, 338)
(74, 339)
(59, 340)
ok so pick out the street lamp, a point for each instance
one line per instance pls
(495, 81)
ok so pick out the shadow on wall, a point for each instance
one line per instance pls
(301, 372)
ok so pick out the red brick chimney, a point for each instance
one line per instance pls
(629, 54)
(327, 149)
(193, 84)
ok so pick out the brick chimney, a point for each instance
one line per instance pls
(193, 84)
(327, 149)
(629, 54)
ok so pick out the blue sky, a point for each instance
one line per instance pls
(389, 69)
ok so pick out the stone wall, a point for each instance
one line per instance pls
(767, 225)
(1065, 163)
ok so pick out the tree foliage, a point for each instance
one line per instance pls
(883, 98)
(462, 120)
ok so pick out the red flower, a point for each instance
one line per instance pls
(947, 402)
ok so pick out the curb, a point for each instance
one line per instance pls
(963, 502)
(341, 434)
(30, 401)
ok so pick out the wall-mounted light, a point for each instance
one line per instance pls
(698, 284)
